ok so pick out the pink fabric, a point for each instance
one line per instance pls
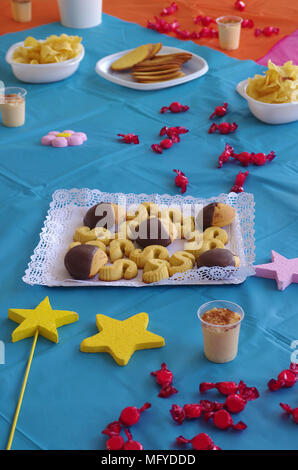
(283, 50)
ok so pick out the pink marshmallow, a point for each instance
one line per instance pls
(47, 139)
(75, 139)
(53, 132)
(69, 132)
(82, 134)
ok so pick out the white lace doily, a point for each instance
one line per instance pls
(66, 213)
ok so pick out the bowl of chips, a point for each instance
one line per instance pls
(44, 61)
(273, 97)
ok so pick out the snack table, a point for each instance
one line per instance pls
(71, 396)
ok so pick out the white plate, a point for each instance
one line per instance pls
(67, 211)
(271, 113)
(194, 68)
(43, 73)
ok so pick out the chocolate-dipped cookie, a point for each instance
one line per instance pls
(104, 214)
(217, 214)
(153, 231)
(84, 261)
(218, 257)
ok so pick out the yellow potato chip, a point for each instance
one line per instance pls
(54, 49)
(278, 85)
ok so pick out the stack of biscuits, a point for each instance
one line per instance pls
(148, 67)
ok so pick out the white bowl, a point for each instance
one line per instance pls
(270, 113)
(43, 73)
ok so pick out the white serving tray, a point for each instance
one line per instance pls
(66, 213)
(194, 68)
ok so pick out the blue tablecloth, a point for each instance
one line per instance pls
(71, 396)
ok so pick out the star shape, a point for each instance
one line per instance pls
(42, 318)
(283, 270)
(122, 338)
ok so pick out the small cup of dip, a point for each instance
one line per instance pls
(21, 10)
(12, 105)
(229, 29)
(220, 322)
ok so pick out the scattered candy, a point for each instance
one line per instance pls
(164, 378)
(200, 442)
(131, 414)
(193, 410)
(239, 181)
(173, 138)
(162, 26)
(239, 5)
(235, 403)
(204, 20)
(169, 10)
(247, 24)
(156, 148)
(115, 443)
(181, 181)
(208, 33)
(174, 107)
(129, 138)
(166, 143)
(173, 131)
(223, 420)
(225, 388)
(244, 158)
(178, 414)
(286, 378)
(268, 31)
(219, 111)
(208, 405)
(223, 128)
(64, 139)
(282, 269)
(130, 444)
(291, 411)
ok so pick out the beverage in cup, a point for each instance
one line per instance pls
(21, 10)
(220, 322)
(229, 28)
(12, 105)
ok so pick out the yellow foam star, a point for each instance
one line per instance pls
(122, 338)
(43, 318)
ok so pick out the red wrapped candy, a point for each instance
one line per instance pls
(173, 131)
(193, 410)
(200, 442)
(239, 181)
(157, 148)
(219, 111)
(112, 429)
(290, 411)
(239, 5)
(178, 414)
(164, 378)
(223, 128)
(129, 138)
(268, 31)
(181, 181)
(130, 444)
(235, 403)
(223, 420)
(182, 34)
(131, 414)
(247, 24)
(225, 155)
(162, 26)
(115, 443)
(166, 143)
(225, 388)
(174, 107)
(169, 10)
(285, 379)
(204, 20)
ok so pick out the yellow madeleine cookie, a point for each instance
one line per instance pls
(120, 269)
(122, 338)
(155, 270)
(119, 248)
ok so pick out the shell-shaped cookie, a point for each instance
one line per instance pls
(216, 233)
(119, 248)
(206, 246)
(180, 262)
(120, 269)
(97, 243)
(128, 230)
(155, 270)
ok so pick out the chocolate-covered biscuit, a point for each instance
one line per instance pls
(217, 214)
(84, 261)
(153, 232)
(104, 214)
(218, 257)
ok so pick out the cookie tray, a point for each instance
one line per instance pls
(66, 213)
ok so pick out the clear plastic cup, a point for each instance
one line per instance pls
(220, 341)
(12, 104)
(80, 13)
(21, 10)
(229, 29)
